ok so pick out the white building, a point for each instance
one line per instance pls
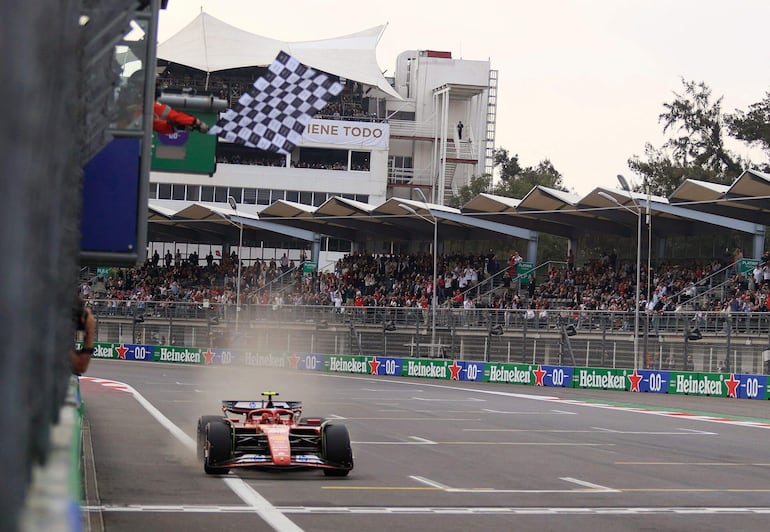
(382, 138)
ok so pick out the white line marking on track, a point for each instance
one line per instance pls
(257, 502)
(436, 510)
(262, 506)
(422, 440)
(473, 399)
(678, 432)
(589, 484)
(519, 413)
(429, 482)
(334, 416)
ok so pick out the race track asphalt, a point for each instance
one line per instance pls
(429, 455)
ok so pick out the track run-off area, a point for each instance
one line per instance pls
(429, 455)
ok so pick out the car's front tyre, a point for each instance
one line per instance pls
(336, 450)
(218, 447)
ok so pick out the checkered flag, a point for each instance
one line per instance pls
(274, 112)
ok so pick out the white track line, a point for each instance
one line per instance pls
(429, 482)
(588, 484)
(272, 515)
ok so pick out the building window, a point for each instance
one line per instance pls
(263, 196)
(360, 160)
(237, 193)
(207, 193)
(220, 194)
(250, 196)
(164, 191)
(306, 198)
(400, 169)
(276, 195)
(177, 192)
(152, 193)
(319, 198)
(193, 192)
(363, 198)
(292, 195)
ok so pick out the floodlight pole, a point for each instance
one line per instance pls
(638, 214)
(234, 206)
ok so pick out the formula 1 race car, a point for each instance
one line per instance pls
(268, 434)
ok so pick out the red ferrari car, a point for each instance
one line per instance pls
(268, 434)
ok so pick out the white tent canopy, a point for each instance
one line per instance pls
(210, 44)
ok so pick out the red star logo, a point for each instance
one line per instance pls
(373, 365)
(122, 350)
(455, 369)
(635, 379)
(209, 356)
(732, 386)
(294, 362)
(539, 374)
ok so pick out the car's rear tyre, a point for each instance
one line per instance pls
(201, 432)
(218, 447)
(335, 445)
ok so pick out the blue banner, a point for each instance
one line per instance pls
(307, 361)
(649, 380)
(557, 376)
(748, 386)
(389, 366)
(142, 353)
(465, 370)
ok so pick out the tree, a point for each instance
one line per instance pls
(695, 147)
(752, 127)
(517, 181)
(509, 166)
(467, 192)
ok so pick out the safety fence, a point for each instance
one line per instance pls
(702, 341)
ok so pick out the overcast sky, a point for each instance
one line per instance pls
(581, 82)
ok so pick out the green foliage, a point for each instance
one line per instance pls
(696, 144)
(752, 127)
(466, 193)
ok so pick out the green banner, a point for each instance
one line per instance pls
(346, 364)
(426, 368)
(747, 265)
(698, 384)
(600, 378)
(189, 152)
(103, 350)
(309, 266)
(525, 269)
(103, 271)
(178, 355)
(508, 373)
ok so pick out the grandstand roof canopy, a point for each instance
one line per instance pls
(210, 44)
(484, 217)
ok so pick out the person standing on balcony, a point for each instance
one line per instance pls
(460, 130)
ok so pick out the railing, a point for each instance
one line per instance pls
(682, 340)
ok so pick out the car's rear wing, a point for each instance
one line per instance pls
(244, 407)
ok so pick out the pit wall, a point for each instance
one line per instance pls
(736, 385)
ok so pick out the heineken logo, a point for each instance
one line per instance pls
(602, 380)
(268, 361)
(348, 365)
(513, 375)
(417, 369)
(704, 385)
(173, 355)
(101, 351)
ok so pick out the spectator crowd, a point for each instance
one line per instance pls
(463, 281)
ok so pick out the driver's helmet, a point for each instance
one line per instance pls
(266, 418)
